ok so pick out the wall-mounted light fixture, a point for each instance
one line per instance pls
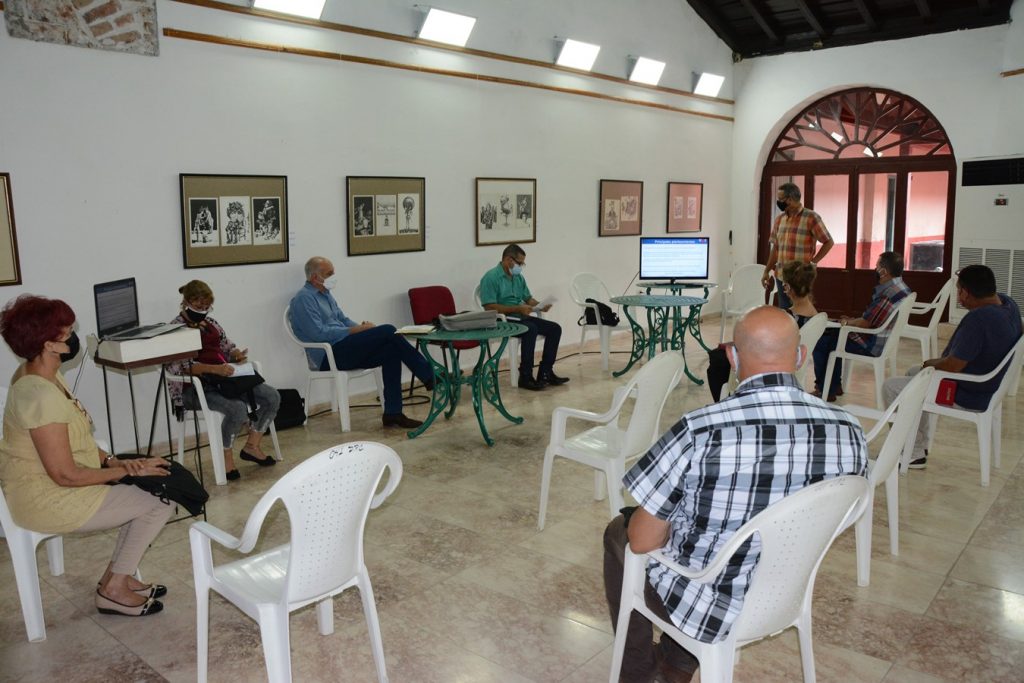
(442, 26)
(311, 9)
(708, 84)
(646, 70)
(576, 54)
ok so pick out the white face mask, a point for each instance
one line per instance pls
(330, 282)
(517, 269)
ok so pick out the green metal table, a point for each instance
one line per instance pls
(661, 310)
(483, 379)
(677, 288)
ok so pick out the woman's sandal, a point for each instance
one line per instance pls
(107, 606)
(262, 462)
(150, 590)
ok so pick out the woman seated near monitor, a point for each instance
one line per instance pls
(215, 358)
(54, 475)
(797, 283)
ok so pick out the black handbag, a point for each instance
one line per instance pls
(607, 315)
(292, 412)
(232, 387)
(179, 486)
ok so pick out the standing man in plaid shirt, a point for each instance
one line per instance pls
(795, 236)
(889, 291)
(708, 475)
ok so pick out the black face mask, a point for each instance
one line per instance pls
(878, 276)
(195, 316)
(782, 204)
(73, 345)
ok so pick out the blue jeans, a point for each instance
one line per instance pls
(782, 300)
(236, 410)
(552, 333)
(825, 346)
(380, 347)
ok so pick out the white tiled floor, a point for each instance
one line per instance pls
(469, 590)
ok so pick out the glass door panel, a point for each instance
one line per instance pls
(925, 240)
(876, 217)
(831, 202)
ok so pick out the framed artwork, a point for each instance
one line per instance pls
(233, 220)
(685, 207)
(506, 210)
(621, 208)
(385, 215)
(10, 266)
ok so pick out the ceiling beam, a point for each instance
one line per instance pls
(706, 10)
(761, 20)
(924, 9)
(865, 12)
(811, 18)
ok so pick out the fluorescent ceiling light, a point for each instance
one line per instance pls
(578, 55)
(447, 27)
(868, 152)
(303, 8)
(837, 137)
(647, 71)
(709, 85)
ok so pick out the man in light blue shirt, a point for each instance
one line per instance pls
(316, 317)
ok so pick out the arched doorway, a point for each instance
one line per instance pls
(879, 169)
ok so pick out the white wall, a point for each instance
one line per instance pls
(94, 142)
(955, 75)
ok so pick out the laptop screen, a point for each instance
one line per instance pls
(117, 307)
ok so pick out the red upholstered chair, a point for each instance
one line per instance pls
(429, 302)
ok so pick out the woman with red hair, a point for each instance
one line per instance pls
(54, 476)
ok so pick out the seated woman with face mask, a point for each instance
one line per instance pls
(215, 358)
(54, 475)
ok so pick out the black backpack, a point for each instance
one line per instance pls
(608, 316)
(292, 412)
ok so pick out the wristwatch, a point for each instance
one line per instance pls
(106, 460)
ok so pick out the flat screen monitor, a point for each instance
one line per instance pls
(674, 258)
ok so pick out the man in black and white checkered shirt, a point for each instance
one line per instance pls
(711, 472)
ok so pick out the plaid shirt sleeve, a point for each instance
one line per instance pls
(818, 229)
(653, 480)
(878, 310)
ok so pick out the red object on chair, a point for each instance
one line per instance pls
(429, 302)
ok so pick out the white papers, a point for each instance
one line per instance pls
(243, 369)
(544, 303)
(415, 329)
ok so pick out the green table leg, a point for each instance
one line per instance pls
(456, 381)
(682, 341)
(485, 389)
(445, 391)
(693, 325)
(639, 343)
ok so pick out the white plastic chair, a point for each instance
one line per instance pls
(900, 439)
(795, 533)
(513, 344)
(213, 421)
(988, 422)
(327, 498)
(896, 323)
(339, 399)
(928, 335)
(588, 286)
(810, 333)
(744, 292)
(607, 447)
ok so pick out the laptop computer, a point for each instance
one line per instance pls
(117, 313)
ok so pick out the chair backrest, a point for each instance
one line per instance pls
(588, 286)
(745, 288)
(327, 498)
(1013, 360)
(812, 330)
(476, 297)
(290, 333)
(795, 533)
(907, 407)
(939, 303)
(652, 383)
(429, 302)
(896, 323)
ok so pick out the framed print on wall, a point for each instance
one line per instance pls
(506, 210)
(233, 220)
(685, 207)
(621, 208)
(10, 266)
(385, 214)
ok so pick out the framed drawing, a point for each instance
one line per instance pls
(506, 210)
(685, 207)
(385, 215)
(10, 266)
(233, 220)
(621, 208)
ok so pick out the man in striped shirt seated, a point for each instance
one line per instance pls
(717, 467)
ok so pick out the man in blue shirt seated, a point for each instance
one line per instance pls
(985, 335)
(503, 289)
(316, 317)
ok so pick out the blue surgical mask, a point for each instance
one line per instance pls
(517, 269)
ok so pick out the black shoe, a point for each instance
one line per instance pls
(531, 384)
(550, 377)
(233, 475)
(262, 462)
(400, 420)
(919, 463)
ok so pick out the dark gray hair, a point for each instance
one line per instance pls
(312, 266)
(513, 250)
(790, 190)
(892, 262)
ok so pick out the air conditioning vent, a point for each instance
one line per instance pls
(993, 172)
(1007, 265)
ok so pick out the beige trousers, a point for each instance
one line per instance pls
(140, 515)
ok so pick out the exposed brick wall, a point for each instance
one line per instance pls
(121, 25)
